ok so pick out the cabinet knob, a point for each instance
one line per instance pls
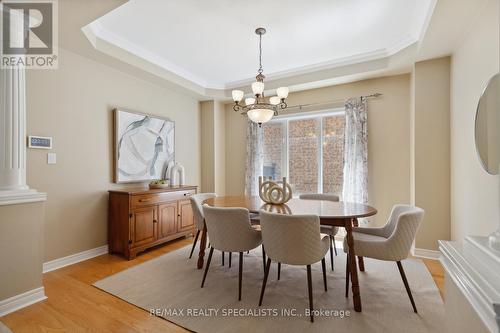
(155, 221)
(187, 194)
(144, 200)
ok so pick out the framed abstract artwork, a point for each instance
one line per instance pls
(143, 146)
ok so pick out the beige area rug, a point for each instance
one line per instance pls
(4, 329)
(170, 285)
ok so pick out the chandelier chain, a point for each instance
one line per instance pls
(260, 55)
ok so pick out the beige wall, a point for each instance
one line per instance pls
(73, 105)
(21, 248)
(213, 147)
(474, 193)
(431, 121)
(207, 146)
(388, 142)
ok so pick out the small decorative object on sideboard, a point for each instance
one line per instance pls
(177, 175)
(161, 183)
(272, 192)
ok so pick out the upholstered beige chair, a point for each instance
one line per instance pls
(199, 218)
(230, 230)
(391, 242)
(331, 231)
(293, 240)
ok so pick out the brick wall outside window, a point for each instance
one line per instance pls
(303, 148)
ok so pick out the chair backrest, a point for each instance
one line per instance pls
(291, 239)
(319, 196)
(230, 229)
(196, 203)
(403, 226)
(392, 222)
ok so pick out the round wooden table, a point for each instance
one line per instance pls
(339, 214)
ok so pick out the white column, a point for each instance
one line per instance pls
(13, 188)
(12, 129)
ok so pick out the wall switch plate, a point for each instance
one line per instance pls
(51, 158)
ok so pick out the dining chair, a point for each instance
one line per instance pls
(199, 218)
(293, 240)
(329, 230)
(230, 231)
(391, 242)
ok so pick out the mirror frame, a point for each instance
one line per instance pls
(485, 168)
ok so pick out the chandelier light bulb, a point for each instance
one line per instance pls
(260, 116)
(275, 100)
(282, 92)
(237, 95)
(249, 101)
(258, 88)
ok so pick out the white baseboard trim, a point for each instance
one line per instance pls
(20, 301)
(427, 254)
(74, 258)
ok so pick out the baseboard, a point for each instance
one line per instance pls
(22, 300)
(427, 254)
(74, 258)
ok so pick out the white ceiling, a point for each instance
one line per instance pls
(212, 44)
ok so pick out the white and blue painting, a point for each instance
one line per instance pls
(144, 146)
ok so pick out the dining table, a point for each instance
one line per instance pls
(330, 213)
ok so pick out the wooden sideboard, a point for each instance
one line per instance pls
(141, 218)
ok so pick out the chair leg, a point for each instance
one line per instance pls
(194, 244)
(230, 257)
(407, 286)
(334, 246)
(323, 267)
(279, 271)
(347, 276)
(266, 273)
(208, 265)
(331, 251)
(309, 287)
(240, 275)
(264, 258)
(223, 256)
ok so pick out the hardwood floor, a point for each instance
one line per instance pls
(73, 305)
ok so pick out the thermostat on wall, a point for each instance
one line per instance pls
(40, 142)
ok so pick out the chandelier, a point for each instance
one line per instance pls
(257, 108)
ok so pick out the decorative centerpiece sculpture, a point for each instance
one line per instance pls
(275, 193)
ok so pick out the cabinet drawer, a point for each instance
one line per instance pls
(156, 198)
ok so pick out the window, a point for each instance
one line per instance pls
(308, 150)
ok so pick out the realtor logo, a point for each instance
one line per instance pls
(29, 34)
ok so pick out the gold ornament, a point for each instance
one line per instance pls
(275, 193)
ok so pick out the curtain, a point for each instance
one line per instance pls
(255, 162)
(355, 187)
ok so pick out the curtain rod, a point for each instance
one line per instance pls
(335, 101)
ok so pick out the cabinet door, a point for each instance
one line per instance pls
(167, 219)
(142, 226)
(186, 218)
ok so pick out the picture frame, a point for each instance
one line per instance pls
(143, 146)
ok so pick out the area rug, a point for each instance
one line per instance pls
(169, 287)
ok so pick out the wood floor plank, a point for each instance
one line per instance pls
(74, 305)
